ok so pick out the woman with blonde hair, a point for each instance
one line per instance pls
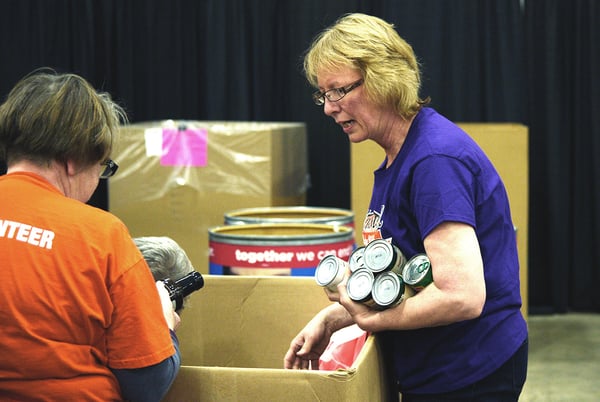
(462, 337)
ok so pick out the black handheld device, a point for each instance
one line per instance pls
(183, 287)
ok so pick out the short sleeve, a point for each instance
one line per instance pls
(442, 190)
(138, 335)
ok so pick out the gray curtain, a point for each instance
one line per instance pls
(526, 61)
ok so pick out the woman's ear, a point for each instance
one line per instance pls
(71, 168)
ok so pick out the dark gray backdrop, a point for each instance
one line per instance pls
(534, 62)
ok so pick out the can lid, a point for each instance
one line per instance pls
(326, 270)
(359, 284)
(387, 288)
(416, 268)
(356, 259)
(379, 254)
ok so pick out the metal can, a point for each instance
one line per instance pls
(356, 260)
(381, 255)
(389, 290)
(417, 272)
(330, 272)
(359, 286)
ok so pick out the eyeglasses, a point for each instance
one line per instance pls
(335, 94)
(110, 168)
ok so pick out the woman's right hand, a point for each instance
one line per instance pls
(172, 318)
(307, 347)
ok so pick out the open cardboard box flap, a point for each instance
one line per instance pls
(235, 332)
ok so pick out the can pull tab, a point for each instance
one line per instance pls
(424, 266)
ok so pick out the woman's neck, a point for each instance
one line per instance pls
(55, 173)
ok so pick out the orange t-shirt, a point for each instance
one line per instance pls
(77, 297)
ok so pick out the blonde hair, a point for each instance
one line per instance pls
(49, 116)
(371, 46)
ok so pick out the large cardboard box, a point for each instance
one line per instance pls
(234, 335)
(507, 146)
(179, 178)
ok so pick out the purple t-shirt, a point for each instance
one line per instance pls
(442, 175)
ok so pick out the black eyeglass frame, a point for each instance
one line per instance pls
(319, 97)
(110, 168)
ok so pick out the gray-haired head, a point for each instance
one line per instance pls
(164, 256)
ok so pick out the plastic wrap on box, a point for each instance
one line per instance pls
(179, 178)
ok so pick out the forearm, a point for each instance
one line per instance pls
(150, 383)
(458, 290)
(429, 308)
(335, 317)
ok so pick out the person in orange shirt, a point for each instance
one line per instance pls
(78, 321)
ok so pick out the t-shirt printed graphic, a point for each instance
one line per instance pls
(372, 225)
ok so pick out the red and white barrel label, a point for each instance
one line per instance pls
(276, 256)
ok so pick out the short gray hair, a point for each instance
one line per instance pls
(165, 257)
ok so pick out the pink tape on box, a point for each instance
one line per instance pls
(184, 147)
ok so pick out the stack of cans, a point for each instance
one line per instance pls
(331, 272)
(380, 275)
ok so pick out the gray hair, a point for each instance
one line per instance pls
(164, 256)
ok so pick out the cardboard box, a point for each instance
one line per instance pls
(234, 335)
(179, 178)
(507, 146)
